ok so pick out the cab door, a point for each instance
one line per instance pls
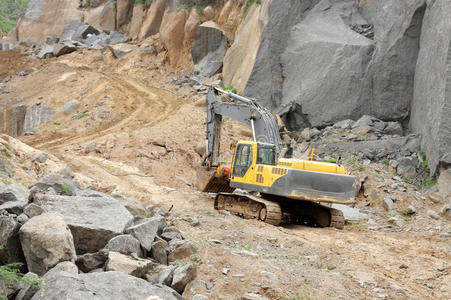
(243, 166)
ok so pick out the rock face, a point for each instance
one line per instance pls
(323, 61)
(47, 18)
(103, 285)
(208, 49)
(431, 106)
(239, 59)
(46, 240)
(92, 220)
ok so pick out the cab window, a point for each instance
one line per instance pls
(243, 160)
(265, 155)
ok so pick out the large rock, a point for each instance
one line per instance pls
(208, 49)
(125, 244)
(92, 220)
(103, 285)
(183, 275)
(108, 16)
(180, 249)
(164, 276)
(13, 192)
(123, 9)
(65, 266)
(47, 18)
(135, 24)
(120, 50)
(63, 48)
(239, 59)
(91, 261)
(126, 264)
(77, 31)
(444, 183)
(46, 241)
(45, 52)
(134, 206)
(147, 231)
(172, 33)
(322, 61)
(159, 251)
(431, 105)
(151, 22)
(9, 239)
(320, 65)
(57, 183)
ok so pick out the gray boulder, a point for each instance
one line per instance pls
(164, 276)
(407, 167)
(125, 244)
(46, 241)
(117, 38)
(129, 265)
(147, 231)
(208, 49)
(393, 128)
(372, 123)
(13, 207)
(60, 184)
(63, 48)
(70, 107)
(102, 285)
(30, 288)
(45, 52)
(77, 31)
(9, 239)
(13, 192)
(33, 210)
(92, 220)
(120, 50)
(431, 105)
(180, 249)
(315, 66)
(90, 261)
(183, 275)
(159, 251)
(171, 233)
(65, 266)
(134, 206)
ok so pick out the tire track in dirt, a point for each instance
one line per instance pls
(150, 107)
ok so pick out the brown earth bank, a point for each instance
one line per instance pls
(134, 132)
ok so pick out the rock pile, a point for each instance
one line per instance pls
(367, 140)
(79, 35)
(77, 243)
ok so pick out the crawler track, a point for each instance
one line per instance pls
(277, 211)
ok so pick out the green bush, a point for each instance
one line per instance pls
(10, 11)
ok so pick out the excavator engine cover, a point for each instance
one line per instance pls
(209, 181)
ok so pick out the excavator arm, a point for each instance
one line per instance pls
(246, 111)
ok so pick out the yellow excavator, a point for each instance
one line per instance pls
(274, 189)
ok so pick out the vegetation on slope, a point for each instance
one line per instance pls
(10, 10)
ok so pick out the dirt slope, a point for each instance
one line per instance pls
(144, 130)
